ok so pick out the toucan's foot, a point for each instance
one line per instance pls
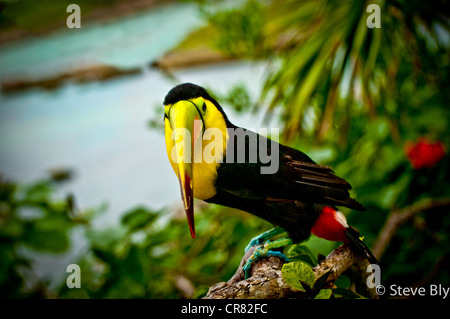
(266, 251)
(264, 237)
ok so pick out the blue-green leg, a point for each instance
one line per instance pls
(267, 250)
(262, 238)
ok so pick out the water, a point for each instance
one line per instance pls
(100, 129)
(127, 42)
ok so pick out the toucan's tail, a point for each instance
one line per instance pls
(353, 235)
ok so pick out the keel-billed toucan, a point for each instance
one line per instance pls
(300, 196)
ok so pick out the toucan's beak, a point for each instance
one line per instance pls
(187, 131)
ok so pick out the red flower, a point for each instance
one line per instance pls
(424, 153)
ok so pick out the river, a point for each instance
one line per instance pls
(100, 129)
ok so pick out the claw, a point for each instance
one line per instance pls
(261, 253)
(254, 242)
(262, 238)
(266, 251)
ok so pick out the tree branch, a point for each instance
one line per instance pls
(397, 218)
(266, 281)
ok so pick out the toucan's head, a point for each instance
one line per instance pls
(188, 112)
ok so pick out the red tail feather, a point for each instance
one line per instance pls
(331, 225)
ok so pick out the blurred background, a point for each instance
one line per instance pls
(84, 177)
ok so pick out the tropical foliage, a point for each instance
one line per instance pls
(370, 102)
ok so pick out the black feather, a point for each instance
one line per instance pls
(353, 235)
(293, 197)
(188, 91)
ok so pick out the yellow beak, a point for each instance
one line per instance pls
(186, 127)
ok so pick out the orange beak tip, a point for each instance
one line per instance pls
(190, 218)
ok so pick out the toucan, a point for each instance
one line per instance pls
(300, 197)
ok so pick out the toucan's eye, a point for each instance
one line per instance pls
(166, 111)
(204, 107)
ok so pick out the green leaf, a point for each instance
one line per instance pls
(39, 192)
(138, 218)
(134, 264)
(345, 293)
(301, 252)
(53, 222)
(323, 294)
(389, 194)
(125, 288)
(55, 241)
(294, 273)
(107, 257)
(107, 239)
(306, 287)
(13, 229)
(321, 281)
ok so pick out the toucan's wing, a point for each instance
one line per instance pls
(314, 182)
(297, 177)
